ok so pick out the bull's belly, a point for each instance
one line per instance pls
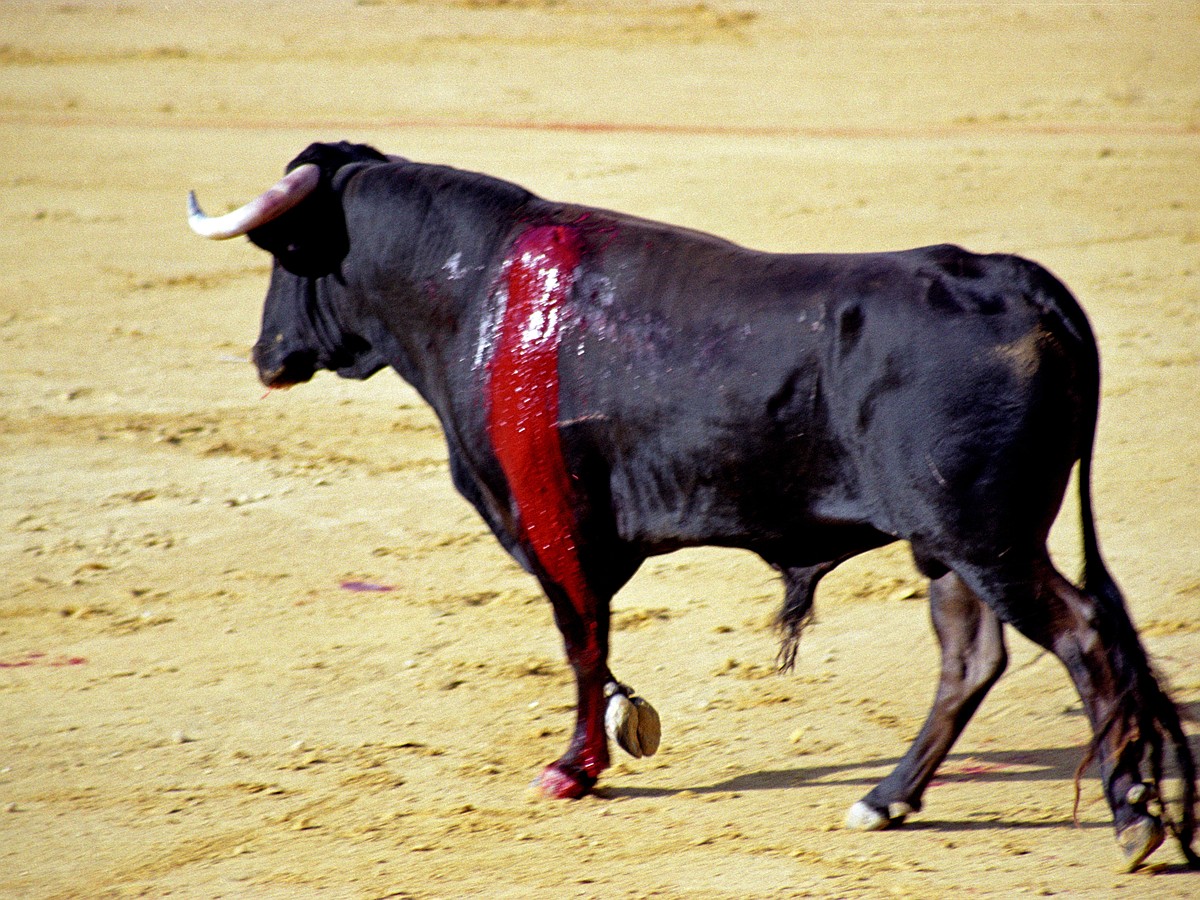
(659, 509)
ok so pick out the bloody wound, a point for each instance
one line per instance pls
(523, 395)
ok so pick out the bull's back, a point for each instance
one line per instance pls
(760, 393)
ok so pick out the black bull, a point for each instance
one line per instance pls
(612, 388)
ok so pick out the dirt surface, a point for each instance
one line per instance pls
(200, 693)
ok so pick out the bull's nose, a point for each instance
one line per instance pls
(280, 370)
(272, 378)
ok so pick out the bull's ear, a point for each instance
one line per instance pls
(331, 157)
(310, 239)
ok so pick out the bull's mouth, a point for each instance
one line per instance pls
(296, 368)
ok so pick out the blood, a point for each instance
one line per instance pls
(967, 770)
(556, 783)
(523, 402)
(523, 397)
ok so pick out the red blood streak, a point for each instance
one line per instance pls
(523, 424)
(523, 396)
(523, 411)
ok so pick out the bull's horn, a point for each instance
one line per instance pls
(270, 204)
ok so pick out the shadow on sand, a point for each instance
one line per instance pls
(998, 766)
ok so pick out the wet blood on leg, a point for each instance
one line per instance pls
(523, 391)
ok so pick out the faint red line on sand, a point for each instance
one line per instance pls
(818, 132)
(851, 132)
(36, 658)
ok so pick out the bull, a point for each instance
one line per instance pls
(612, 388)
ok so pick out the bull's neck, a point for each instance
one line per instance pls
(432, 248)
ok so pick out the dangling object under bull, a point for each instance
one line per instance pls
(632, 723)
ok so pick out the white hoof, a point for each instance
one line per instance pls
(865, 818)
(630, 722)
(1139, 840)
(649, 726)
(898, 812)
(621, 723)
(1139, 793)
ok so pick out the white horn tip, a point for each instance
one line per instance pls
(271, 204)
(200, 223)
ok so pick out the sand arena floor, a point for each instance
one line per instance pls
(193, 705)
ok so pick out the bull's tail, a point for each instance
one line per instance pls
(1097, 580)
(1143, 702)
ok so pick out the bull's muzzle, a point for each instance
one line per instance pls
(284, 369)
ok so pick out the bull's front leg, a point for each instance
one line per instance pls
(523, 424)
(605, 707)
(583, 622)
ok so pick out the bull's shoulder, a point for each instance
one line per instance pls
(608, 229)
(454, 193)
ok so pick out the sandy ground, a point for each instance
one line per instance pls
(192, 702)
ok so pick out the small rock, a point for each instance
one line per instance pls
(729, 665)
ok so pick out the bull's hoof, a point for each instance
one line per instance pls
(1139, 840)
(559, 783)
(630, 722)
(865, 817)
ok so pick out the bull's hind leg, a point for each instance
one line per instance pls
(973, 658)
(1128, 712)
